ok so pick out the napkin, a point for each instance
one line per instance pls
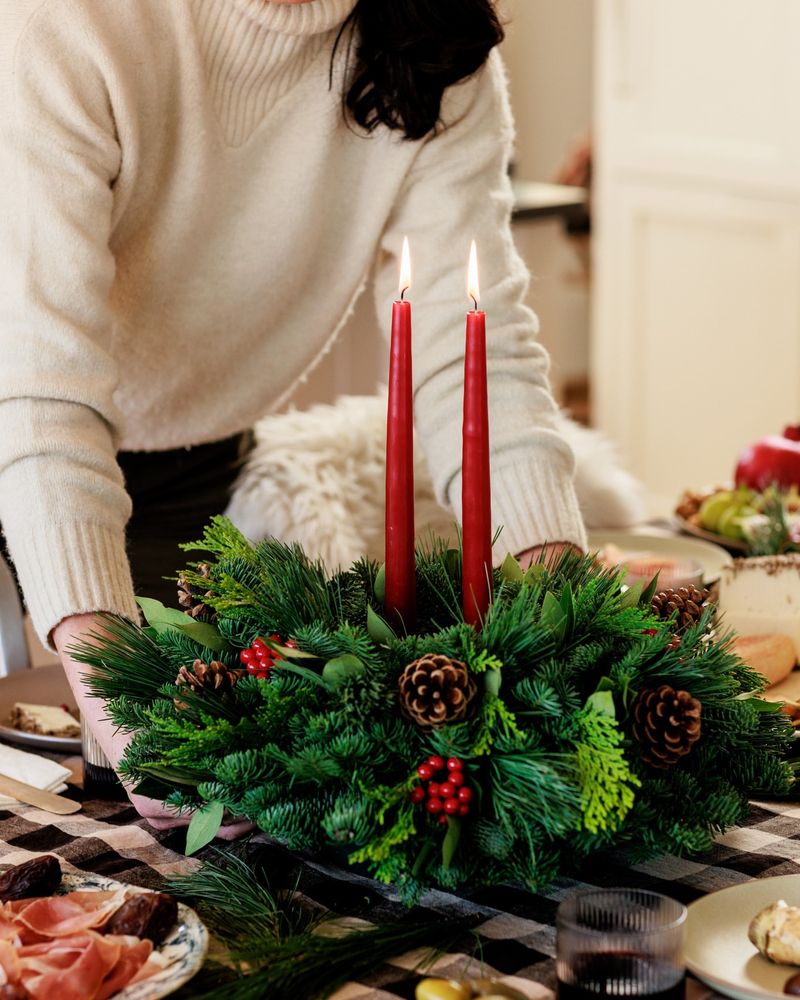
(34, 770)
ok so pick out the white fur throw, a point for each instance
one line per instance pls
(317, 477)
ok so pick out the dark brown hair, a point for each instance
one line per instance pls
(407, 52)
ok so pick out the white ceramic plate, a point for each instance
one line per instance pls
(184, 948)
(37, 686)
(662, 543)
(718, 950)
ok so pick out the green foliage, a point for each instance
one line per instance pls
(320, 756)
(607, 783)
(274, 947)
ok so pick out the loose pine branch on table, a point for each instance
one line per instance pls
(511, 750)
(276, 946)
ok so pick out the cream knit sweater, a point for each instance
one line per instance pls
(186, 221)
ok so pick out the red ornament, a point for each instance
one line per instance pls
(454, 764)
(434, 790)
(774, 459)
(456, 778)
(442, 819)
(417, 794)
(425, 771)
(463, 810)
(434, 806)
(447, 790)
(451, 806)
(465, 795)
(437, 763)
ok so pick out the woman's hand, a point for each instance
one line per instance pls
(79, 628)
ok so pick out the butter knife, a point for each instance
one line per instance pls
(48, 801)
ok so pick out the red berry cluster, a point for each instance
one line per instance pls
(444, 793)
(259, 658)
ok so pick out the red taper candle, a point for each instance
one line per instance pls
(476, 489)
(400, 594)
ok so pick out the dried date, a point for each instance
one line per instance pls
(147, 915)
(11, 992)
(38, 877)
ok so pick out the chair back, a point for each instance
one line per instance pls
(14, 654)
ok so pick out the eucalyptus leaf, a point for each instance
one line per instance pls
(170, 775)
(157, 613)
(535, 572)
(289, 652)
(204, 633)
(379, 587)
(491, 682)
(379, 630)
(632, 595)
(602, 702)
(304, 672)
(553, 616)
(568, 607)
(204, 826)
(649, 592)
(451, 840)
(342, 668)
(452, 562)
(511, 570)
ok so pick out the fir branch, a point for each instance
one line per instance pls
(536, 787)
(125, 659)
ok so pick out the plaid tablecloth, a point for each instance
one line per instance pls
(516, 933)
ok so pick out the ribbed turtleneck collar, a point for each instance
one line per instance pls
(312, 18)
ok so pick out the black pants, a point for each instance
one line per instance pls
(175, 494)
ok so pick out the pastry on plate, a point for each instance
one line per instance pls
(44, 720)
(775, 931)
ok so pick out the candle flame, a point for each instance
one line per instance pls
(473, 288)
(405, 268)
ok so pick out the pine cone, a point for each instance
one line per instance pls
(191, 597)
(435, 689)
(666, 724)
(214, 676)
(689, 602)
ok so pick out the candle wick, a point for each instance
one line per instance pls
(475, 301)
(403, 293)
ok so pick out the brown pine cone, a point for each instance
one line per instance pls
(666, 724)
(214, 676)
(689, 602)
(435, 690)
(191, 597)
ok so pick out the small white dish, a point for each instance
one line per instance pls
(718, 950)
(664, 544)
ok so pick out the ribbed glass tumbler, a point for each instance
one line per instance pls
(620, 943)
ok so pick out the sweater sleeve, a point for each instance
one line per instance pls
(457, 190)
(63, 506)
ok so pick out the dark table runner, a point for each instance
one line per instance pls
(516, 934)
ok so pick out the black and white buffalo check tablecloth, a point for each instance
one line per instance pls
(515, 933)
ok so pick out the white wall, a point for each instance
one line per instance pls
(548, 51)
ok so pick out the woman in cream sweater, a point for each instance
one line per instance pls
(193, 193)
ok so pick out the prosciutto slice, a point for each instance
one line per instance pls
(57, 916)
(70, 968)
(50, 948)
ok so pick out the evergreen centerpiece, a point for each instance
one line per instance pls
(574, 719)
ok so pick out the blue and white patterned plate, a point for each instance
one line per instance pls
(184, 949)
